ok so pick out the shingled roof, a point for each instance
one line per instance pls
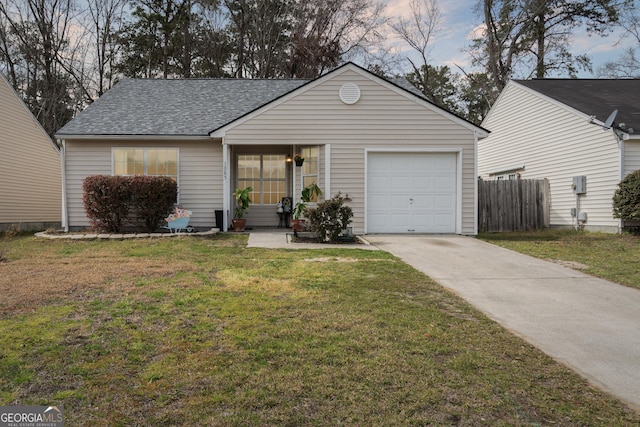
(185, 107)
(597, 98)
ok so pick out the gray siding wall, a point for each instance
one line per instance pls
(31, 193)
(383, 118)
(200, 174)
(556, 143)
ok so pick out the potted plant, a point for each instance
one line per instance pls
(243, 201)
(309, 192)
(298, 159)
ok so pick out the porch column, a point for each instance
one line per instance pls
(226, 187)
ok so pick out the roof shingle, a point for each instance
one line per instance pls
(187, 107)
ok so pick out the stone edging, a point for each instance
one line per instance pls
(107, 236)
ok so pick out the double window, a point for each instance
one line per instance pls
(266, 174)
(146, 161)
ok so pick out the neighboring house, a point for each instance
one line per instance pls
(554, 128)
(404, 164)
(30, 197)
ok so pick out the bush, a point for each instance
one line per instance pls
(111, 201)
(626, 200)
(106, 201)
(330, 219)
(152, 198)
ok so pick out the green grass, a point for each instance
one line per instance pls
(609, 256)
(204, 331)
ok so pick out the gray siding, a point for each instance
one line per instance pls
(31, 179)
(200, 174)
(554, 142)
(384, 117)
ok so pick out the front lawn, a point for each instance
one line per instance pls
(609, 256)
(204, 331)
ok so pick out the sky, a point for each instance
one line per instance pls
(459, 21)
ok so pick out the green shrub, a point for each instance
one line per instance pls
(626, 200)
(111, 202)
(106, 201)
(152, 198)
(330, 219)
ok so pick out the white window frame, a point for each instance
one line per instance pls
(316, 174)
(261, 178)
(145, 150)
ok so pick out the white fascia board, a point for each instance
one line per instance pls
(136, 137)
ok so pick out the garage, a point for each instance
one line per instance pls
(411, 192)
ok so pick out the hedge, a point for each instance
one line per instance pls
(113, 202)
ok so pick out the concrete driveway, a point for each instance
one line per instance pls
(589, 324)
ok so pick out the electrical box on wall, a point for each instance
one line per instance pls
(579, 184)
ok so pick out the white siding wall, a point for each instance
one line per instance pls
(555, 143)
(382, 118)
(200, 169)
(631, 156)
(31, 191)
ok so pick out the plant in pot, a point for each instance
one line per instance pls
(309, 193)
(242, 205)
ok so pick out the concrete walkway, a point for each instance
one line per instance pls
(589, 324)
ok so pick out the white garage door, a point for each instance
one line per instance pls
(411, 193)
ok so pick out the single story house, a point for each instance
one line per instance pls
(404, 164)
(583, 135)
(31, 169)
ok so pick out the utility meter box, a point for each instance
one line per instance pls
(579, 184)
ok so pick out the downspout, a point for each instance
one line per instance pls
(475, 184)
(620, 139)
(226, 187)
(63, 171)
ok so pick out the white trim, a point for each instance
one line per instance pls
(476, 213)
(459, 191)
(327, 171)
(63, 161)
(425, 150)
(221, 132)
(226, 187)
(136, 137)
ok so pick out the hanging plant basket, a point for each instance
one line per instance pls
(299, 162)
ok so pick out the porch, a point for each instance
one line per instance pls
(276, 179)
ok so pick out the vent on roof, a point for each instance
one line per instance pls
(349, 93)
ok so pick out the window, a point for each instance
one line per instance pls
(310, 167)
(266, 174)
(146, 161)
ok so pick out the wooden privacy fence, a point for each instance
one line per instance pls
(513, 205)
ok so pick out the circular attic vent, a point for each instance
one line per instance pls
(349, 93)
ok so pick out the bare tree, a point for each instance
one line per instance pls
(105, 22)
(628, 65)
(418, 30)
(37, 37)
(531, 37)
